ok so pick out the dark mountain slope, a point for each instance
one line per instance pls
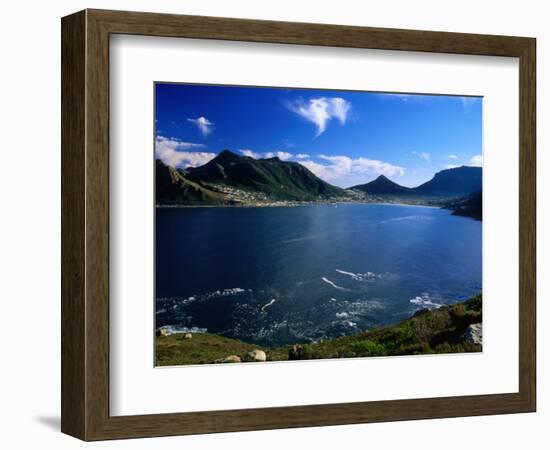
(279, 180)
(456, 182)
(471, 206)
(173, 188)
(382, 186)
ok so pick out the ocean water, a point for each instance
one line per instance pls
(284, 275)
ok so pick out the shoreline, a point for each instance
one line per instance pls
(454, 328)
(298, 204)
(175, 329)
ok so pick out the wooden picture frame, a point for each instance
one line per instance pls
(85, 224)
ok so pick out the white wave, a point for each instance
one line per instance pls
(225, 292)
(425, 300)
(343, 272)
(179, 302)
(335, 286)
(290, 241)
(173, 329)
(413, 217)
(342, 315)
(367, 276)
(268, 304)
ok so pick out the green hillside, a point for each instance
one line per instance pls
(279, 180)
(173, 188)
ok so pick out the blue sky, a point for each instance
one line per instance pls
(344, 137)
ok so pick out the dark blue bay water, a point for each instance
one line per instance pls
(296, 274)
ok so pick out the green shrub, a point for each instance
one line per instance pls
(368, 348)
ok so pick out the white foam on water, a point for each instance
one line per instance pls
(425, 300)
(367, 276)
(413, 217)
(335, 286)
(172, 329)
(268, 304)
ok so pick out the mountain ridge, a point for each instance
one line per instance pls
(233, 179)
(449, 183)
(279, 180)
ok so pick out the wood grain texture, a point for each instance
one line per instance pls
(85, 224)
(73, 111)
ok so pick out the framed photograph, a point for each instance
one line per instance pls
(272, 225)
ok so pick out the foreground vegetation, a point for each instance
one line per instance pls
(428, 331)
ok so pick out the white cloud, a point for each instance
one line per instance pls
(175, 153)
(424, 155)
(203, 124)
(322, 171)
(477, 160)
(302, 156)
(283, 156)
(250, 153)
(451, 166)
(346, 171)
(321, 110)
(453, 157)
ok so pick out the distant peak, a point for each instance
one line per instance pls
(383, 178)
(227, 153)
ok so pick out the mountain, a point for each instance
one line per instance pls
(173, 188)
(456, 182)
(470, 206)
(232, 179)
(382, 186)
(275, 179)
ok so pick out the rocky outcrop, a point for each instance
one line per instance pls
(473, 334)
(256, 355)
(163, 332)
(228, 359)
(187, 336)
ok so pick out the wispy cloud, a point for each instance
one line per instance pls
(453, 157)
(282, 155)
(451, 166)
(398, 96)
(203, 124)
(320, 111)
(424, 155)
(405, 97)
(346, 171)
(177, 154)
(477, 160)
(302, 156)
